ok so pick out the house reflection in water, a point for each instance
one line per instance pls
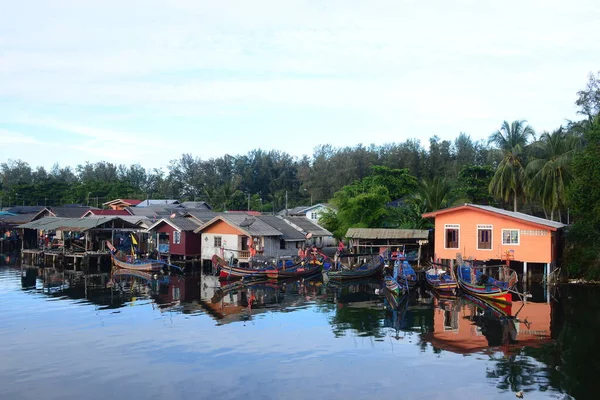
(467, 325)
(237, 301)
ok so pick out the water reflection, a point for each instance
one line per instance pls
(467, 324)
(530, 347)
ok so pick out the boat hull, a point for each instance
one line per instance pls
(353, 274)
(297, 272)
(148, 266)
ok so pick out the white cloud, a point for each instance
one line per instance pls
(436, 67)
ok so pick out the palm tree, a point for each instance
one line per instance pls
(549, 170)
(511, 139)
(435, 194)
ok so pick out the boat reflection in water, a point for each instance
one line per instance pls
(241, 300)
(468, 324)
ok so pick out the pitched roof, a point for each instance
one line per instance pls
(131, 202)
(107, 212)
(200, 205)
(289, 233)
(78, 224)
(249, 224)
(306, 225)
(69, 212)
(201, 216)
(17, 219)
(552, 225)
(380, 233)
(25, 209)
(158, 202)
(179, 223)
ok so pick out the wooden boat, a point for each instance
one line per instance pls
(477, 282)
(341, 272)
(406, 274)
(306, 267)
(228, 271)
(302, 270)
(441, 281)
(392, 285)
(138, 264)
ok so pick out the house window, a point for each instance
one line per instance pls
(217, 241)
(282, 245)
(451, 236)
(510, 236)
(176, 237)
(313, 215)
(299, 245)
(484, 237)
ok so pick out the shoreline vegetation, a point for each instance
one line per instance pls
(555, 175)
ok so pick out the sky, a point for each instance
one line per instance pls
(145, 81)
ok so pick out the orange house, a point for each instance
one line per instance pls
(488, 233)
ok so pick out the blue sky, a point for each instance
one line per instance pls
(145, 81)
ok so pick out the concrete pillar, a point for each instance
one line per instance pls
(525, 276)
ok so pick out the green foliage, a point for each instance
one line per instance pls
(583, 257)
(549, 170)
(398, 182)
(508, 181)
(435, 194)
(473, 183)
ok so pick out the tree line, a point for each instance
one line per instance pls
(551, 174)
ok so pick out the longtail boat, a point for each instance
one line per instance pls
(477, 281)
(406, 274)
(229, 271)
(440, 280)
(302, 270)
(341, 272)
(138, 264)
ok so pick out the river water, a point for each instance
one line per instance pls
(138, 336)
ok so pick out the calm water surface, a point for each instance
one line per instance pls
(141, 337)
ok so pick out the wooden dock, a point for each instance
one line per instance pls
(80, 261)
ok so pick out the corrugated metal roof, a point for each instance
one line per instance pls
(201, 215)
(179, 223)
(290, 234)
(163, 202)
(511, 214)
(521, 216)
(69, 212)
(256, 227)
(308, 226)
(75, 224)
(380, 233)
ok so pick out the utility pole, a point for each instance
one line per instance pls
(248, 201)
(286, 203)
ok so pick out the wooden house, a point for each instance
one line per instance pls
(237, 235)
(175, 236)
(492, 234)
(120, 204)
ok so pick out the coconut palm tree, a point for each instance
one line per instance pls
(435, 194)
(549, 170)
(511, 139)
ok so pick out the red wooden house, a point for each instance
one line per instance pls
(175, 237)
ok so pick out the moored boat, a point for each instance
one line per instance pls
(478, 281)
(440, 280)
(406, 274)
(138, 264)
(372, 267)
(302, 270)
